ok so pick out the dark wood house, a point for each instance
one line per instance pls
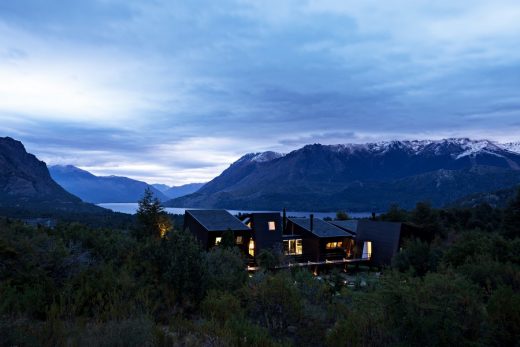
(313, 239)
(209, 226)
(266, 231)
(377, 241)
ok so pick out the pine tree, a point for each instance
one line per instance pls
(151, 217)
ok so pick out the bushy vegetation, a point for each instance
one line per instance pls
(76, 285)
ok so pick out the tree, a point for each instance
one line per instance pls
(342, 215)
(226, 269)
(228, 240)
(181, 264)
(511, 224)
(426, 217)
(151, 217)
(395, 214)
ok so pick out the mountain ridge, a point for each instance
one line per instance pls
(101, 189)
(308, 177)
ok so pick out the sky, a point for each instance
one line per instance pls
(174, 91)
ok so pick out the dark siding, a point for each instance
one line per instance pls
(196, 229)
(385, 238)
(265, 238)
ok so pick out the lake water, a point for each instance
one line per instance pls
(131, 208)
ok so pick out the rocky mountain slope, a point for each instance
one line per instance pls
(360, 177)
(25, 182)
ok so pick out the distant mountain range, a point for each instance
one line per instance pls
(25, 183)
(177, 191)
(361, 177)
(101, 189)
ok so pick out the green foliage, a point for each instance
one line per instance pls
(78, 285)
(395, 214)
(417, 258)
(268, 259)
(511, 224)
(342, 215)
(228, 240)
(151, 217)
(504, 317)
(274, 302)
(225, 269)
(425, 217)
(180, 261)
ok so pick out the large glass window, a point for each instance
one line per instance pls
(293, 247)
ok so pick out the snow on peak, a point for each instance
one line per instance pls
(266, 156)
(260, 157)
(458, 147)
(512, 147)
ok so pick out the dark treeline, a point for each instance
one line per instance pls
(76, 285)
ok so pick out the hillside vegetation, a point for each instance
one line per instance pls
(81, 286)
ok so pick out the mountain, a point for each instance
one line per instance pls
(100, 189)
(499, 198)
(177, 191)
(512, 146)
(360, 177)
(160, 187)
(25, 183)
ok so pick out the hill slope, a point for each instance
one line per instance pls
(25, 183)
(360, 176)
(100, 189)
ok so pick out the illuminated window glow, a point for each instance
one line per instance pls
(239, 240)
(367, 250)
(218, 240)
(293, 247)
(252, 248)
(272, 226)
(333, 245)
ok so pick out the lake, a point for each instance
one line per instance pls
(131, 208)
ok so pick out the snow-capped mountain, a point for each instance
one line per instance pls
(512, 146)
(361, 176)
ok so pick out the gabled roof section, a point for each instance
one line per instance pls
(217, 220)
(320, 227)
(350, 226)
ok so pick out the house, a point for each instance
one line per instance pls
(376, 240)
(209, 226)
(315, 240)
(266, 230)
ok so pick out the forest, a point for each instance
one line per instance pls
(146, 282)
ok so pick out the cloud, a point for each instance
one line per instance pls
(175, 91)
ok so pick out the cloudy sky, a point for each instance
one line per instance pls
(174, 91)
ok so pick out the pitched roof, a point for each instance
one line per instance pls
(320, 227)
(350, 226)
(217, 220)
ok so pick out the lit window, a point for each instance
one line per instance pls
(272, 226)
(218, 240)
(293, 247)
(239, 240)
(367, 250)
(333, 245)
(252, 248)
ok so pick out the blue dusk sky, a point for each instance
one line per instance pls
(174, 91)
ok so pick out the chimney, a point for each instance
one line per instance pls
(312, 222)
(284, 221)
